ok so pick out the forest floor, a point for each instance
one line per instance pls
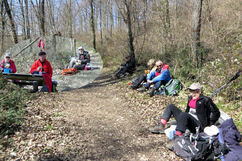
(102, 121)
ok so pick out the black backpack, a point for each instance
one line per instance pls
(199, 147)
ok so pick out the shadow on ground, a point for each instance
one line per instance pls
(108, 145)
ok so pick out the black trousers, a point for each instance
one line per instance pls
(123, 70)
(137, 82)
(183, 119)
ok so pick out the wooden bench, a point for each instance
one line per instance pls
(27, 79)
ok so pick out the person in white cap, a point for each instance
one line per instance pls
(200, 112)
(8, 62)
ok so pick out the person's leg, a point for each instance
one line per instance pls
(117, 72)
(35, 86)
(72, 63)
(156, 87)
(186, 121)
(170, 110)
(137, 82)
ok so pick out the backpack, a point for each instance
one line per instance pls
(136, 83)
(171, 88)
(199, 147)
(68, 71)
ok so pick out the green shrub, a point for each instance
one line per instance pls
(12, 99)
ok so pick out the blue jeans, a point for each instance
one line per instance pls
(157, 84)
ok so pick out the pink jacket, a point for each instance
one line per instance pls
(12, 65)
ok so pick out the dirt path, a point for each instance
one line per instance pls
(92, 123)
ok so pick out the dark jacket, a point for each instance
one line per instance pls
(231, 137)
(85, 57)
(129, 64)
(207, 112)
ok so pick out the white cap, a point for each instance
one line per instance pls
(80, 48)
(195, 86)
(7, 55)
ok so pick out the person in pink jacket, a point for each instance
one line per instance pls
(8, 62)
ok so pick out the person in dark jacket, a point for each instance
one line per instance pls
(83, 59)
(83, 55)
(127, 67)
(200, 112)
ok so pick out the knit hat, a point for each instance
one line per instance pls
(42, 53)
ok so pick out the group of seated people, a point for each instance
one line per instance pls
(200, 112)
(82, 61)
(40, 67)
(157, 75)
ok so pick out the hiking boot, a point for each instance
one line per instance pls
(170, 144)
(152, 92)
(158, 129)
(141, 89)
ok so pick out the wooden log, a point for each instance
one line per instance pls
(27, 77)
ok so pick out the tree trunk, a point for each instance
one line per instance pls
(92, 24)
(23, 16)
(3, 27)
(196, 28)
(70, 20)
(42, 17)
(13, 29)
(27, 19)
(111, 19)
(130, 33)
(100, 23)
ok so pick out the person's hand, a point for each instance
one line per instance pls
(39, 68)
(149, 81)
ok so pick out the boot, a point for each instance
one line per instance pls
(141, 89)
(35, 87)
(152, 92)
(170, 144)
(158, 129)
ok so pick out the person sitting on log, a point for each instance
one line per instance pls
(8, 65)
(200, 112)
(42, 66)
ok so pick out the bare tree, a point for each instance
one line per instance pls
(128, 21)
(39, 9)
(92, 23)
(3, 26)
(13, 29)
(27, 19)
(23, 17)
(100, 21)
(196, 28)
(70, 19)
(42, 18)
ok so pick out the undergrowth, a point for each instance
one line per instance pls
(12, 100)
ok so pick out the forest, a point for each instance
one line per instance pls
(200, 40)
